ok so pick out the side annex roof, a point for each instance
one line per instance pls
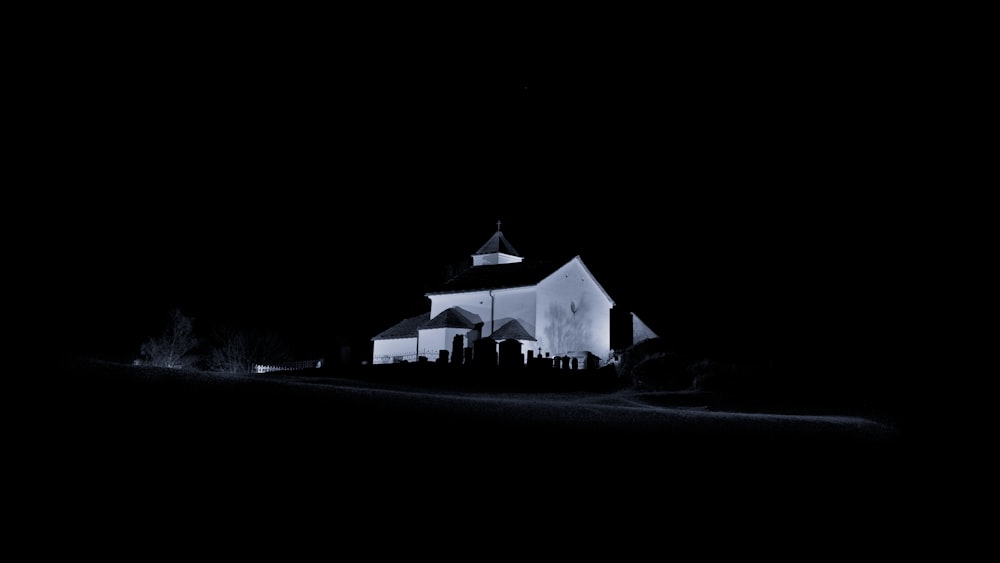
(512, 328)
(452, 317)
(406, 328)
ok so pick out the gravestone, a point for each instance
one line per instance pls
(456, 349)
(510, 353)
(486, 352)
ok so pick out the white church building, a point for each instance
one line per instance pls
(552, 309)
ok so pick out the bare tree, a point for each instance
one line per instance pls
(175, 346)
(236, 350)
(231, 352)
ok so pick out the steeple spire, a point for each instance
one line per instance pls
(497, 250)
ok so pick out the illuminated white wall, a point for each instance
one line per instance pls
(432, 340)
(429, 344)
(517, 303)
(477, 302)
(569, 310)
(388, 350)
(574, 313)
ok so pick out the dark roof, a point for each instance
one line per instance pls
(528, 327)
(406, 328)
(499, 276)
(497, 243)
(512, 329)
(454, 317)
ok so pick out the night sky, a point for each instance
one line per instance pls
(726, 183)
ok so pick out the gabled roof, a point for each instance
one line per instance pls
(528, 327)
(499, 276)
(593, 277)
(497, 243)
(454, 317)
(406, 328)
(512, 329)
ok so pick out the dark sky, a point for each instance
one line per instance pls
(725, 182)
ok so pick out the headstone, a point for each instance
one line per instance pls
(457, 343)
(486, 352)
(510, 353)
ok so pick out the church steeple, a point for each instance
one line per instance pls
(497, 250)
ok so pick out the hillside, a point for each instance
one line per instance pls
(178, 455)
(353, 408)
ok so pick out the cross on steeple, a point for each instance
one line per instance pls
(497, 250)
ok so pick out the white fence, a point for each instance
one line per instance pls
(397, 358)
(287, 366)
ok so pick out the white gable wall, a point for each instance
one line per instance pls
(574, 313)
